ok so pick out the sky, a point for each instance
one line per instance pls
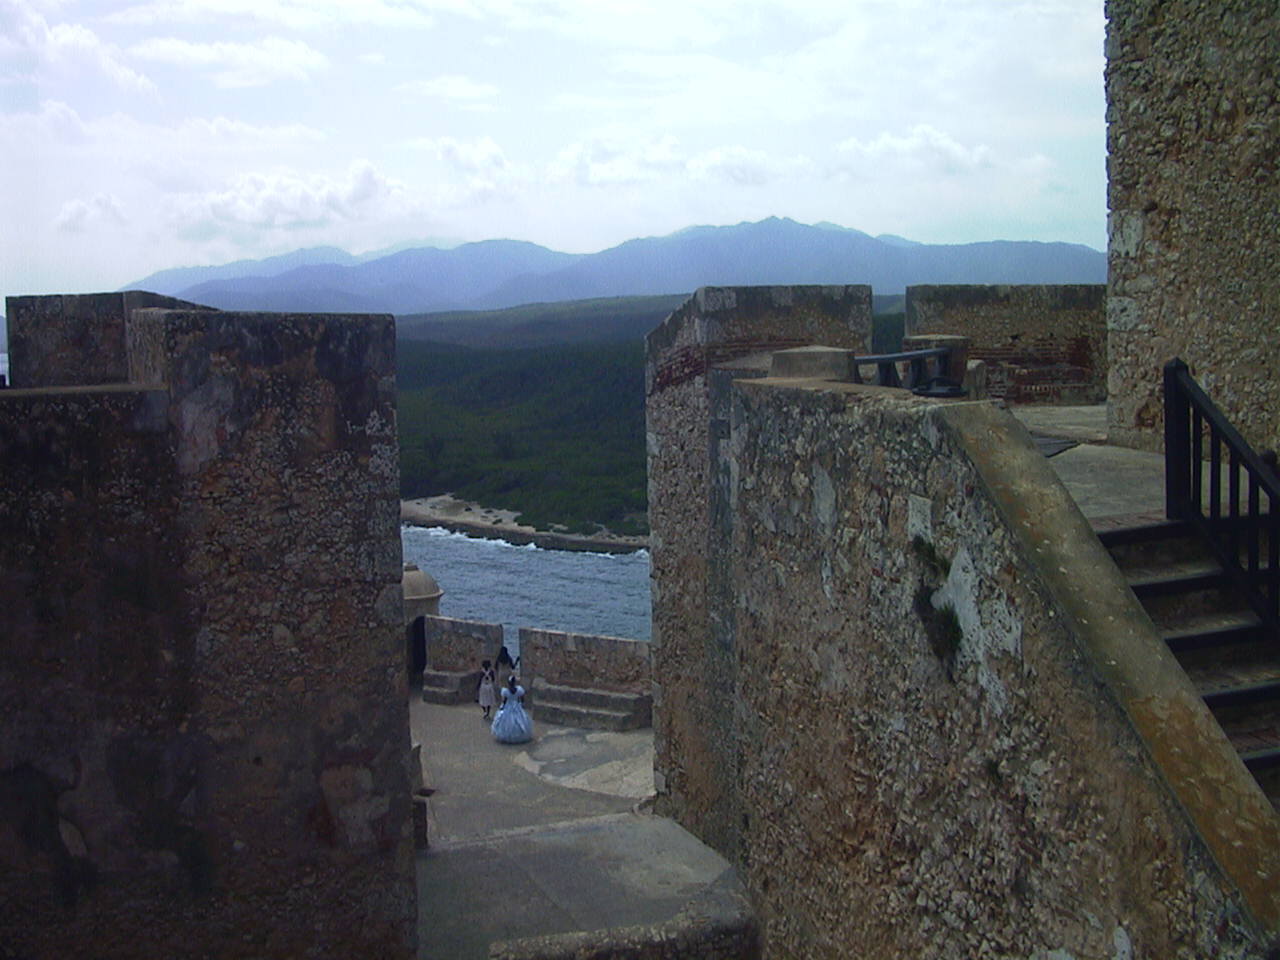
(137, 136)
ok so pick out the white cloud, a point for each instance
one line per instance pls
(450, 87)
(31, 46)
(481, 156)
(76, 215)
(238, 64)
(293, 14)
(923, 150)
(285, 201)
(616, 159)
(745, 167)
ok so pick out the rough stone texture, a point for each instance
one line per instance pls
(687, 420)
(76, 339)
(1041, 343)
(585, 660)
(203, 679)
(954, 731)
(716, 925)
(1193, 124)
(458, 646)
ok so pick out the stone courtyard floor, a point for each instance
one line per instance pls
(543, 838)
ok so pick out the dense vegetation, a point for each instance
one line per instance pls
(555, 432)
(607, 319)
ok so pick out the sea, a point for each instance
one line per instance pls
(527, 586)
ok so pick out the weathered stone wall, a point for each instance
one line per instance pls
(686, 415)
(458, 646)
(1193, 123)
(76, 339)
(1041, 343)
(946, 707)
(215, 583)
(98, 665)
(585, 660)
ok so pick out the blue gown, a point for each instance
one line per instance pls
(512, 724)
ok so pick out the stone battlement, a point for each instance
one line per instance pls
(200, 579)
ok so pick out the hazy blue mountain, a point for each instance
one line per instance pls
(783, 251)
(171, 281)
(495, 274)
(424, 278)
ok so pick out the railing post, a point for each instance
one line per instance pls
(1177, 443)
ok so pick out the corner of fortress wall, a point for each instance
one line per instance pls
(1194, 223)
(686, 416)
(900, 684)
(206, 705)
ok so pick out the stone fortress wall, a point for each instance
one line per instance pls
(585, 661)
(206, 725)
(1193, 123)
(1040, 343)
(577, 660)
(687, 424)
(918, 707)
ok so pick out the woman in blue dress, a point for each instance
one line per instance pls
(512, 724)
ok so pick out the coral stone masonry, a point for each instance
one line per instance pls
(1193, 123)
(205, 748)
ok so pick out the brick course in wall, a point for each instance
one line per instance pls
(1193, 123)
(1041, 343)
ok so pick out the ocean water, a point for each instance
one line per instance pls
(494, 581)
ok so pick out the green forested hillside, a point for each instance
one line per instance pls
(556, 432)
(610, 319)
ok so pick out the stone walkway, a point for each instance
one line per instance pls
(1108, 483)
(543, 839)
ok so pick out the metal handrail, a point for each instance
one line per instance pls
(1191, 419)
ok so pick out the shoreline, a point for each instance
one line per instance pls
(489, 523)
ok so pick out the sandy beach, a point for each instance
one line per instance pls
(478, 521)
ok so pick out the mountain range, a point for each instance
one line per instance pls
(494, 274)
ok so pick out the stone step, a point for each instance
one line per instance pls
(591, 718)
(1219, 631)
(590, 697)
(1152, 544)
(447, 687)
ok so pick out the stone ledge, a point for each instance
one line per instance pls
(718, 924)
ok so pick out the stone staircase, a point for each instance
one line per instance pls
(1230, 656)
(591, 709)
(443, 686)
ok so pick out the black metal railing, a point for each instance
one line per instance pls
(1244, 536)
(921, 368)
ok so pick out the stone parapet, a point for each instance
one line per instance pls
(75, 339)
(458, 646)
(720, 334)
(205, 702)
(947, 715)
(585, 661)
(1042, 343)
